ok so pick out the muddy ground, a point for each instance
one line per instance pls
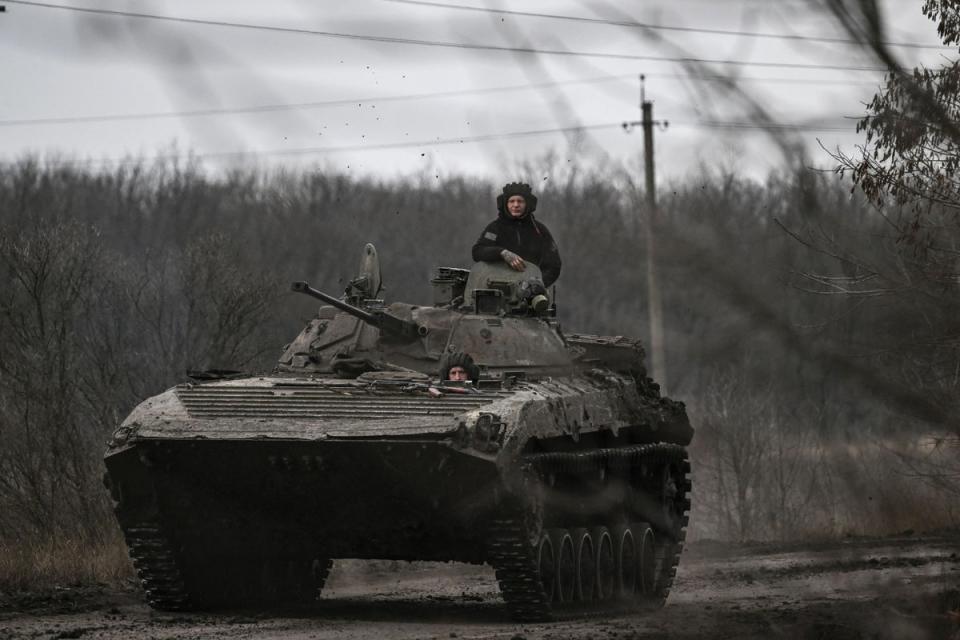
(905, 587)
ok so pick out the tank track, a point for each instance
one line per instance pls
(511, 547)
(160, 569)
(157, 567)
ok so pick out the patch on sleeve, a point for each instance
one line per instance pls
(490, 235)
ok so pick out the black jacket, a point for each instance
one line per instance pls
(526, 237)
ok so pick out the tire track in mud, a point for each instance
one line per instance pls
(903, 588)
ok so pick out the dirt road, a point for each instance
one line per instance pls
(890, 588)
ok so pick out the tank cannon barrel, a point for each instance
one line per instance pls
(382, 320)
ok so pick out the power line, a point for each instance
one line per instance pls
(661, 27)
(770, 126)
(453, 45)
(709, 124)
(401, 145)
(267, 108)
(305, 105)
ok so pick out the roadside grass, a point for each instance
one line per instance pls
(30, 566)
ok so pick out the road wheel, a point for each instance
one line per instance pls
(566, 570)
(606, 564)
(586, 561)
(646, 560)
(547, 566)
(625, 552)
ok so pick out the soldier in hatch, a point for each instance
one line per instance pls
(459, 367)
(516, 238)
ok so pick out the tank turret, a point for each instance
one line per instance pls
(496, 288)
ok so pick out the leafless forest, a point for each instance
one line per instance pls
(815, 348)
(812, 321)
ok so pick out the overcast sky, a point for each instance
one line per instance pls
(91, 86)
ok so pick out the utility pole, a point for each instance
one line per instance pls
(655, 310)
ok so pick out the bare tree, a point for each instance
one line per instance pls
(49, 462)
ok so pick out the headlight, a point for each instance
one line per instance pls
(488, 433)
(121, 435)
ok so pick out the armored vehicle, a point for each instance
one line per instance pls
(561, 465)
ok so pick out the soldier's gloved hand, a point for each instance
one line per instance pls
(513, 260)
